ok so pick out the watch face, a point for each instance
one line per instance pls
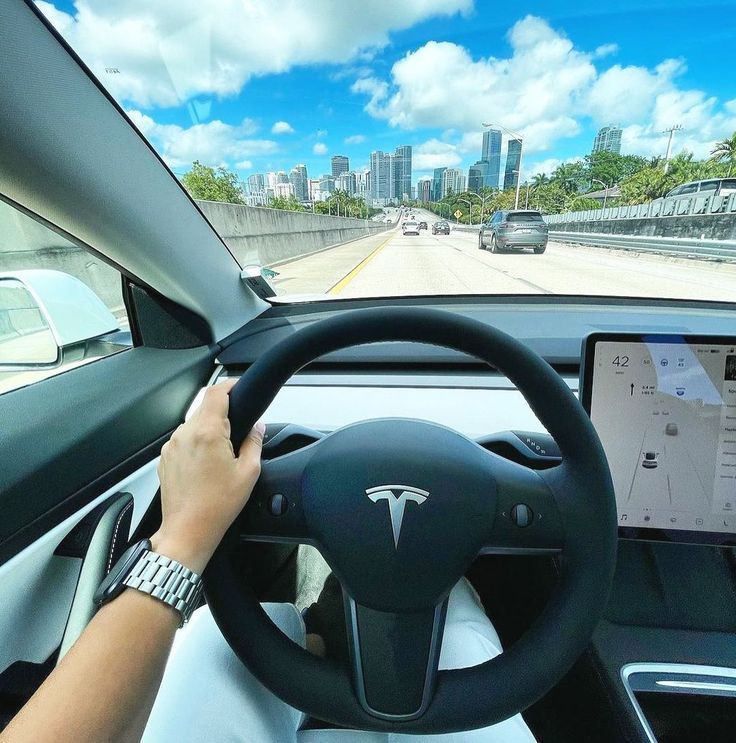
(112, 585)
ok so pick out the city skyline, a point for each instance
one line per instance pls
(388, 176)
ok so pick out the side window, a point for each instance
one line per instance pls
(60, 306)
(709, 185)
(688, 188)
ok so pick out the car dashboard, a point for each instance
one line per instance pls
(671, 611)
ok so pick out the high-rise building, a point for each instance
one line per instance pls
(401, 180)
(327, 183)
(346, 182)
(363, 184)
(453, 181)
(257, 195)
(380, 173)
(437, 183)
(424, 189)
(313, 189)
(608, 139)
(475, 177)
(491, 153)
(300, 181)
(513, 158)
(340, 165)
(256, 183)
(393, 169)
(283, 190)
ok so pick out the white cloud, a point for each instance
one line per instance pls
(542, 166)
(435, 154)
(605, 50)
(544, 89)
(320, 133)
(441, 85)
(244, 165)
(355, 139)
(213, 143)
(168, 53)
(282, 127)
(320, 148)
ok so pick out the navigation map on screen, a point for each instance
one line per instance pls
(666, 415)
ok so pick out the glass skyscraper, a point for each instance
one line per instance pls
(340, 165)
(491, 153)
(513, 158)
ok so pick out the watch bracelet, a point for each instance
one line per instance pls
(167, 580)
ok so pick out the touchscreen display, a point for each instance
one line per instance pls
(665, 411)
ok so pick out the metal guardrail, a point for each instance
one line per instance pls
(721, 250)
(678, 206)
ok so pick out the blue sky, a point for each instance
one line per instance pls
(423, 72)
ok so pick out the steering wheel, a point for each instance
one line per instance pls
(400, 509)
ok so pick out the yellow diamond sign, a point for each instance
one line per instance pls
(458, 214)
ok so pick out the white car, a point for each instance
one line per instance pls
(410, 227)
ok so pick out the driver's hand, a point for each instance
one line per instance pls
(204, 486)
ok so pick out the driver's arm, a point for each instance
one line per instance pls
(104, 688)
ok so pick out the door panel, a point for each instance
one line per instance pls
(68, 439)
(37, 585)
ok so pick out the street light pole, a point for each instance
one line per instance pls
(671, 130)
(470, 209)
(605, 190)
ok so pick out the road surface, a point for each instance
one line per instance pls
(391, 264)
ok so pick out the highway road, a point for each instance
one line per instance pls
(391, 264)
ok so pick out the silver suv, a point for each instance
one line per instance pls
(514, 230)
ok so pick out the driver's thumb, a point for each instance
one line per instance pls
(249, 455)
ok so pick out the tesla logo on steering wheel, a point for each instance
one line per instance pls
(397, 503)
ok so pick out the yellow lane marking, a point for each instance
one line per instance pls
(345, 280)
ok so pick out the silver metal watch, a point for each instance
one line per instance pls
(154, 574)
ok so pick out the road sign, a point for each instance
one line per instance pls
(458, 214)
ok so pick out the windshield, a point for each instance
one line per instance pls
(310, 132)
(524, 217)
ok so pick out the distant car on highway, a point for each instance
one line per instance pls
(649, 460)
(514, 230)
(711, 187)
(441, 228)
(422, 225)
(410, 227)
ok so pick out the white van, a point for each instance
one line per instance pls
(711, 187)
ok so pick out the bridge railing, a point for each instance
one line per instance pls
(673, 207)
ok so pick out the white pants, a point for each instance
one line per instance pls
(208, 695)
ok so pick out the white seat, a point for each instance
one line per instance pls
(207, 693)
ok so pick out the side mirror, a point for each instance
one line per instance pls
(257, 278)
(45, 313)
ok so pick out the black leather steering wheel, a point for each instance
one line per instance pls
(399, 509)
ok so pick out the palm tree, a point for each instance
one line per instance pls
(540, 179)
(725, 150)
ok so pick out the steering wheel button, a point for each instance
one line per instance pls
(277, 505)
(521, 515)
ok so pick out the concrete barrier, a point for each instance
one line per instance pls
(25, 243)
(702, 227)
(254, 234)
(266, 236)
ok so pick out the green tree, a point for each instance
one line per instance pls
(570, 176)
(208, 184)
(341, 203)
(612, 168)
(725, 152)
(289, 204)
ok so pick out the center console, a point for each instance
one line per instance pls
(664, 408)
